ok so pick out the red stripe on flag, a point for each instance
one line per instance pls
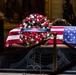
(10, 42)
(13, 33)
(59, 30)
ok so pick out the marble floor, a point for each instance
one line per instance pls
(29, 74)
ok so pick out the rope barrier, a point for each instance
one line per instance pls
(66, 67)
(68, 45)
(23, 48)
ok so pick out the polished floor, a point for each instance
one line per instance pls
(29, 74)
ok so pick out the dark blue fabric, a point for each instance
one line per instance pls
(69, 34)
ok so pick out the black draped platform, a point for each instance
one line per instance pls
(38, 59)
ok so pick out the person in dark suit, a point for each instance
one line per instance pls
(8, 6)
(68, 12)
(25, 9)
(29, 7)
(12, 8)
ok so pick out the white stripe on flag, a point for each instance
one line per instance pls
(13, 37)
(58, 37)
(14, 30)
(53, 29)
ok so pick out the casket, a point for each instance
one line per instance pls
(42, 57)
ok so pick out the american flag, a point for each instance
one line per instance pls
(59, 30)
(14, 37)
(70, 34)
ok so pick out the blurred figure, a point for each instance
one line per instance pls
(68, 12)
(12, 8)
(25, 9)
(34, 6)
(30, 7)
(8, 6)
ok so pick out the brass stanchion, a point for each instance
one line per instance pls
(54, 53)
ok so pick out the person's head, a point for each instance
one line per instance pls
(67, 1)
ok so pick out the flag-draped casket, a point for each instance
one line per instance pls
(64, 55)
(28, 34)
(67, 33)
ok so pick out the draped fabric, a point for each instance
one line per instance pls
(40, 57)
(67, 33)
(43, 56)
(14, 37)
